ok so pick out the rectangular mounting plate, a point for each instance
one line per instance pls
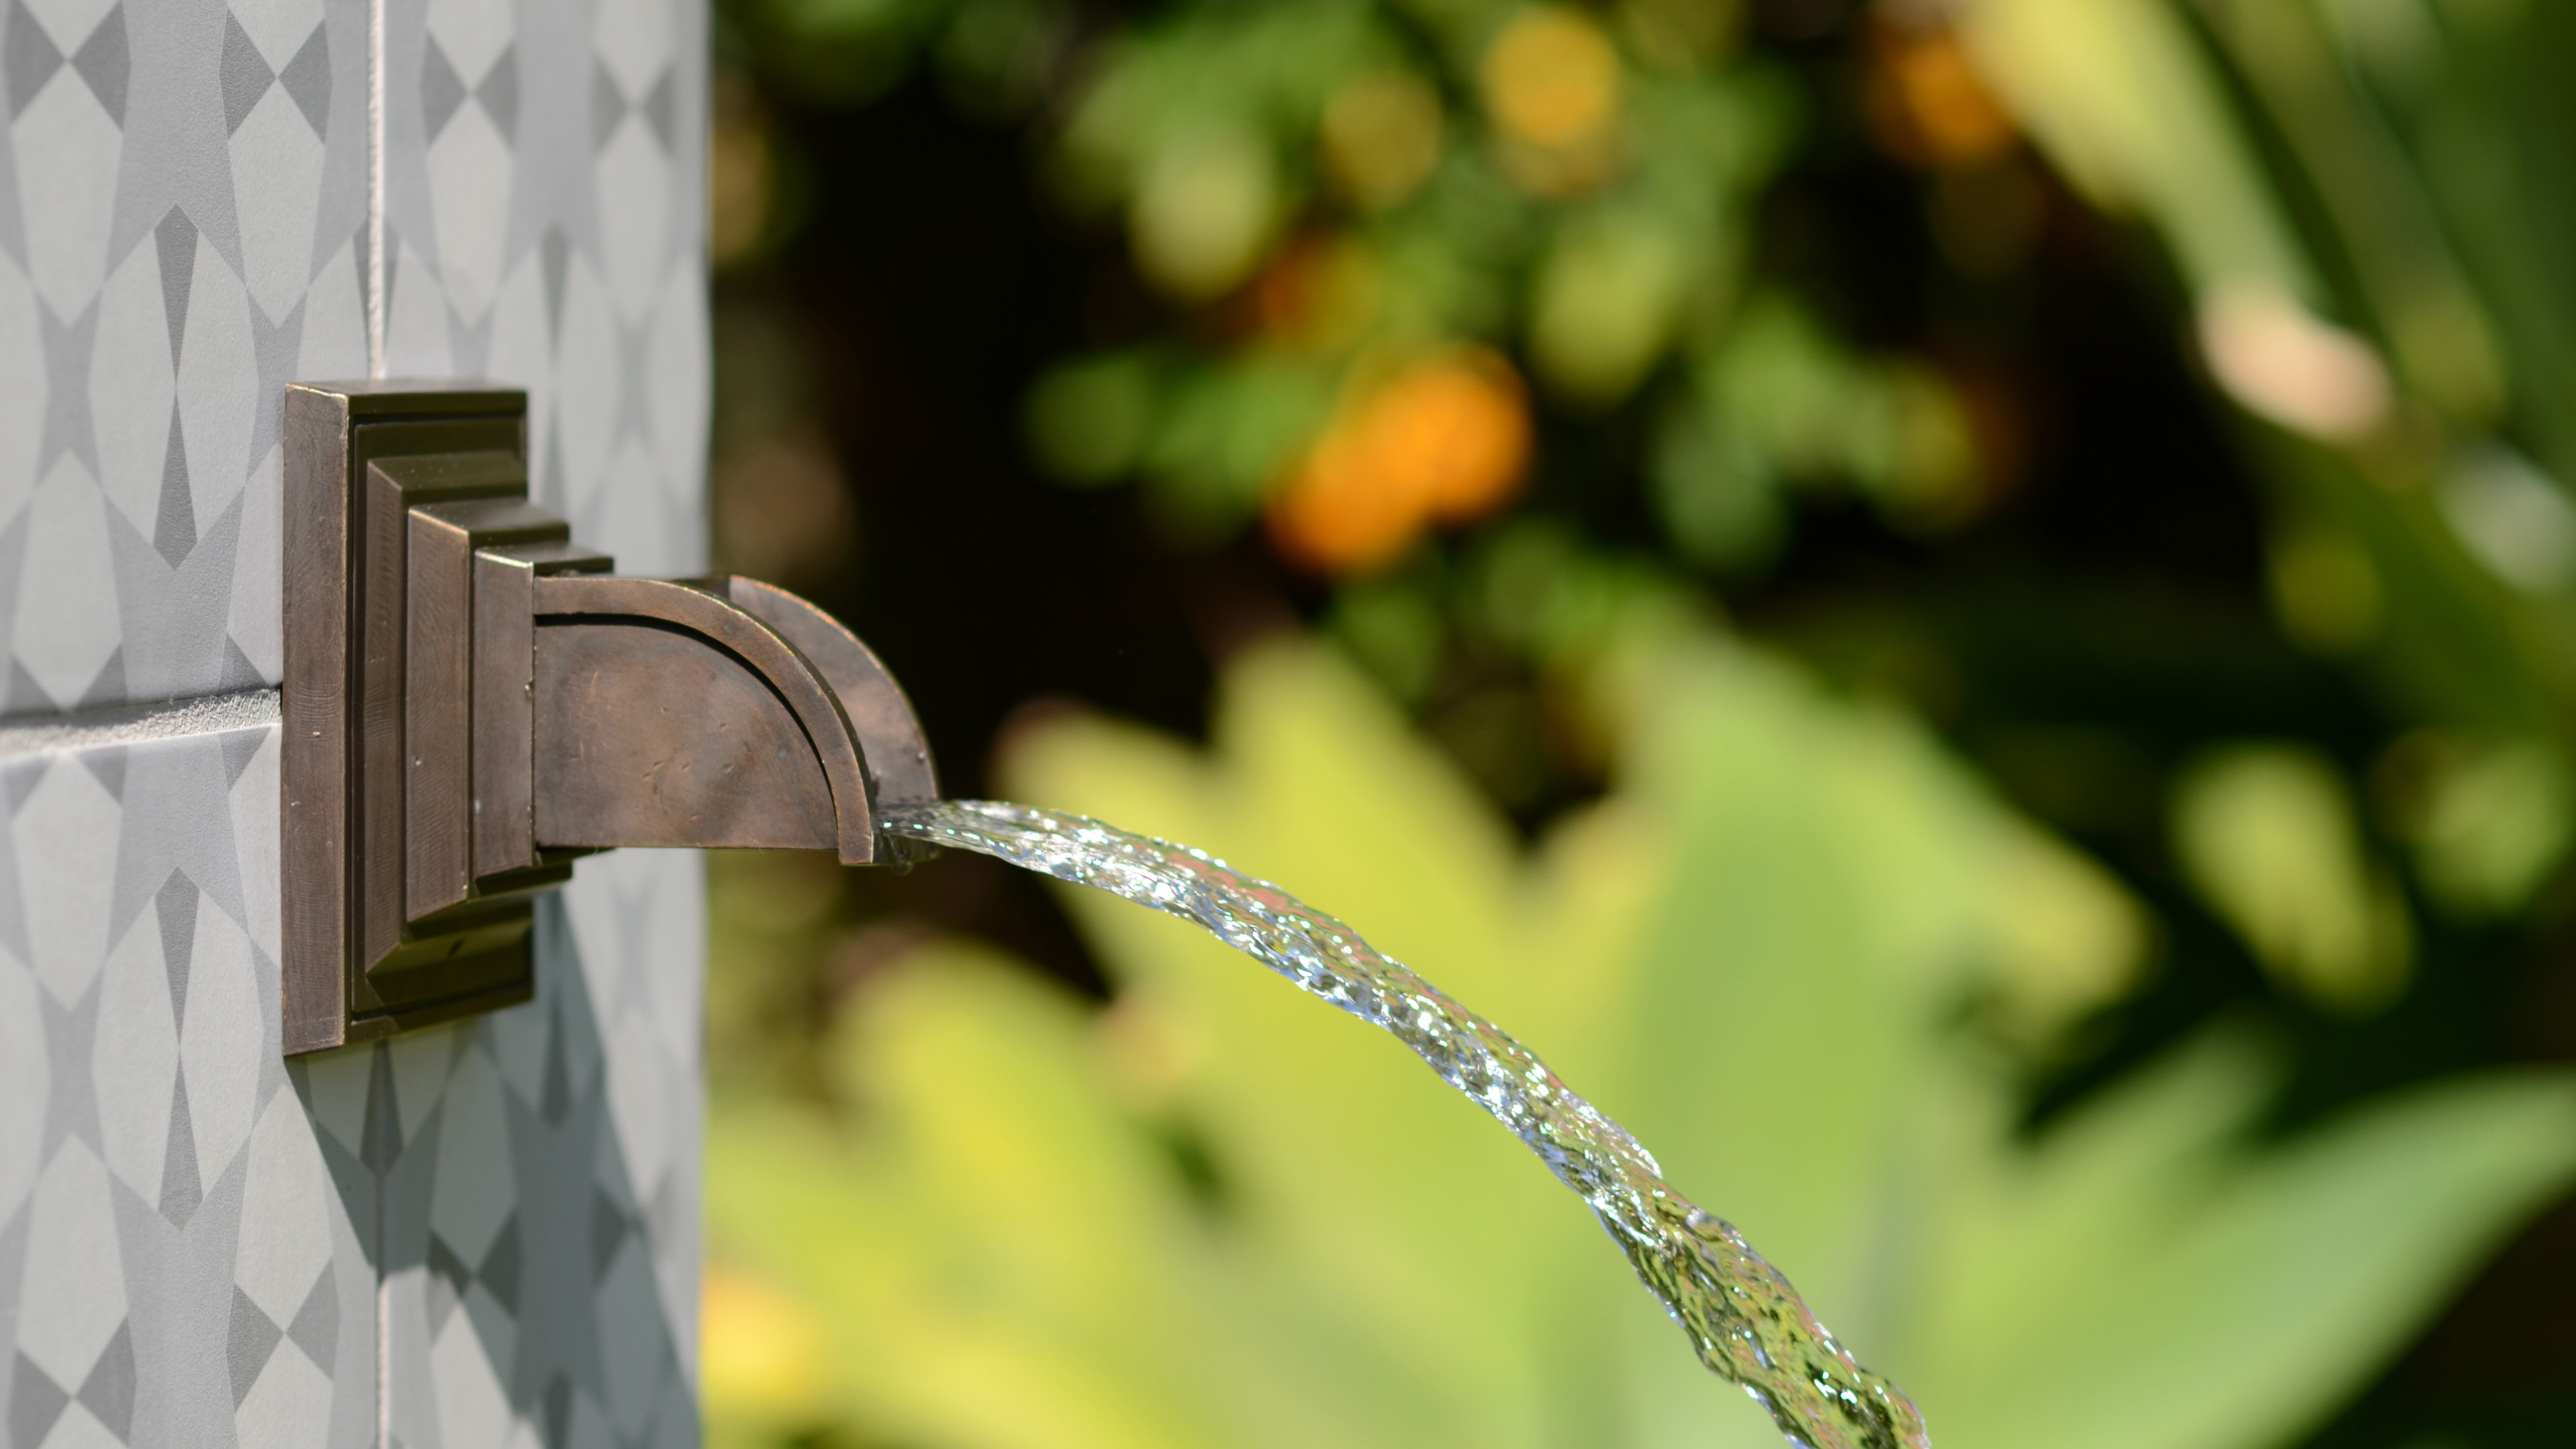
(359, 964)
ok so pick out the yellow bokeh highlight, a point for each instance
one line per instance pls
(1551, 84)
(1551, 78)
(763, 1355)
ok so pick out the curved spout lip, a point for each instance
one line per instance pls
(890, 737)
(696, 609)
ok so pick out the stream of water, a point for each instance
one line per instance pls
(1744, 1320)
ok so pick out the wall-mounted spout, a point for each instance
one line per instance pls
(472, 701)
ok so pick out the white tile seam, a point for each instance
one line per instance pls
(384, 1279)
(377, 300)
(378, 308)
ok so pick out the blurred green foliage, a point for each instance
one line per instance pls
(1340, 185)
(2267, 835)
(2359, 196)
(2170, 1129)
(1780, 949)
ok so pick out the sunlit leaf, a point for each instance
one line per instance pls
(1752, 952)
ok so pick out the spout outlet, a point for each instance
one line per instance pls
(667, 712)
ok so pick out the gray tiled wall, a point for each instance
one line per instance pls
(185, 227)
(478, 1235)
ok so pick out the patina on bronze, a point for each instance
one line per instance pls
(472, 701)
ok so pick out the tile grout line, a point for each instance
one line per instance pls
(377, 300)
(204, 714)
(378, 308)
(384, 1280)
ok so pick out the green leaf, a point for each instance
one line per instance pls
(1753, 951)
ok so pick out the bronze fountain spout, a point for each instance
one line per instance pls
(472, 701)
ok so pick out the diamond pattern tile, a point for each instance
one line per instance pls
(134, 1069)
(276, 1274)
(467, 155)
(133, 375)
(519, 1191)
(184, 229)
(63, 823)
(71, 1298)
(191, 1227)
(22, 383)
(66, 142)
(24, 1083)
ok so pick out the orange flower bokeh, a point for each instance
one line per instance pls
(1442, 439)
(1927, 102)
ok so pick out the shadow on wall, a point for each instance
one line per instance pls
(527, 1185)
